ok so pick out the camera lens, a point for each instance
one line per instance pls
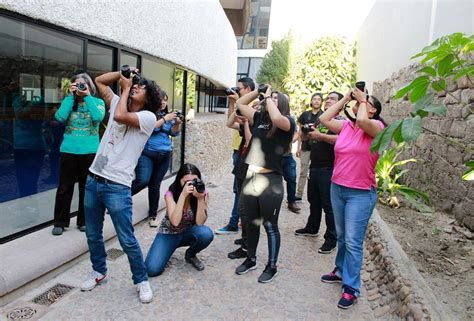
(262, 88)
(81, 86)
(125, 70)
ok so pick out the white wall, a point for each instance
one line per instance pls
(193, 34)
(395, 30)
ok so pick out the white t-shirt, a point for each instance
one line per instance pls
(121, 146)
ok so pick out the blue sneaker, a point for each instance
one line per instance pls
(226, 230)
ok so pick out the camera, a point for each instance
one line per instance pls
(262, 89)
(306, 128)
(198, 185)
(359, 85)
(179, 115)
(126, 72)
(81, 86)
(229, 91)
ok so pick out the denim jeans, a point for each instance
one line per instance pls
(288, 164)
(151, 168)
(117, 199)
(319, 198)
(352, 210)
(234, 216)
(197, 238)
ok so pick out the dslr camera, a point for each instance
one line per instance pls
(306, 128)
(127, 72)
(359, 85)
(262, 89)
(198, 185)
(81, 86)
(179, 115)
(229, 91)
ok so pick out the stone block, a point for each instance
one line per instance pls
(467, 96)
(453, 98)
(381, 311)
(463, 83)
(374, 297)
(404, 292)
(467, 110)
(372, 292)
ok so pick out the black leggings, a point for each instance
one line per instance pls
(261, 196)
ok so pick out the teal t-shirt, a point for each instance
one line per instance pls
(81, 135)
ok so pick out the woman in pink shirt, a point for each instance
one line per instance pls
(353, 188)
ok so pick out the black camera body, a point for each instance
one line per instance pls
(81, 86)
(306, 128)
(359, 85)
(229, 91)
(262, 88)
(198, 185)
(126, 72)
(179, 115)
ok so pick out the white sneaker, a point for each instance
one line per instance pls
(144, 292)
(95, 278)
(153, 221)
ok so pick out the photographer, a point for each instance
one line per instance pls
(262, 192)
(183, 225)
(131, 122)
(319, 180)
(155, 159)
(289, 168)
(353, 188)
(244, 86)
(304, 142)
(81, 113)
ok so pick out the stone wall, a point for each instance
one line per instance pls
(208, 142)
(393, 284)
(439, 169)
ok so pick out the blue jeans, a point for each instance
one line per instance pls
(234, 216)
(151, 168)
(288, 164)
(352, 210)
(197, 238)
(117, 199)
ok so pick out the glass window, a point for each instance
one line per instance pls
(99, 59)
(177, 105)
(130, 59)
(163, 74)
(35, 63)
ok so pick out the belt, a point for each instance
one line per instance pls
(102, 179)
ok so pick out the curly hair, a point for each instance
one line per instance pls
(153, 94)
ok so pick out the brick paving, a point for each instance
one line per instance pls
(217, 293)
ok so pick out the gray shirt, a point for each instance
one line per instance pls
(121, 146)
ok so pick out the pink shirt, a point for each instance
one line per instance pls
(354, 164)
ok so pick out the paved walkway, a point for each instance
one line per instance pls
(217, 293)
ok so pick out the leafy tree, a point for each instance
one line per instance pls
(276, 64)
(327, 64)
(444, 59)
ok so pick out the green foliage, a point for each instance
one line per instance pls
(190, 88)
(276, 64)
(469, 174)
(327, 64)
(388, 173)
(442, 60)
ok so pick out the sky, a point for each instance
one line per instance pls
(312, 19)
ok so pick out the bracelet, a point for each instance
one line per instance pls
(267, 97)
(363, 102)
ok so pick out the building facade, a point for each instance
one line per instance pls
(187, 47)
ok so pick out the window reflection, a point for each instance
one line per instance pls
(34, 61)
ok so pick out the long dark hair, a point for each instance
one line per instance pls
(377, 104)
(89, 83)
(284, 108)
(176, 188)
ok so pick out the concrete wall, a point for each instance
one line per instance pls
(439, 169)
(395, 30)
(193, 34)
